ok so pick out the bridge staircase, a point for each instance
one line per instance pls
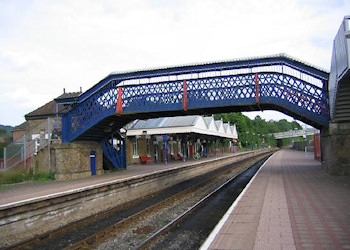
(339, 80)
(114, 152)
(342, 105)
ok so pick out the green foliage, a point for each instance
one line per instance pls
(13, 176)
(19, 174)
(5, 134)
(43, 176)
(2, 145)
(252, 132)
(5, 130)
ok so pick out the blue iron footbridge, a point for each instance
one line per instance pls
(277, 82)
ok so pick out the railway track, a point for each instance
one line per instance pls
(190, 229)
(129, 225)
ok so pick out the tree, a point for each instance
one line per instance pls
(253, 132)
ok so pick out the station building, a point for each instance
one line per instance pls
(159, 140)
(178, 138)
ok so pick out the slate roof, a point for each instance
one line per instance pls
(69, 95)
(218, 123)
(175, 124)
(49, 109)
(226, 126)
(208, 120)
(165, 122)
(22, 126)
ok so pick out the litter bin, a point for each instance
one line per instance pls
(93, 162)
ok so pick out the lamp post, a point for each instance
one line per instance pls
(246, 140)
(165, 138)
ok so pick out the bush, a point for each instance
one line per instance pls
(14, 175)
(43, 176)
(17, 175)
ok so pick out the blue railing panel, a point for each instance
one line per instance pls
(245, 63)
(89, 112)
(221, 91)
(152, 97)
(279, 89)
(294, 95)
(114, 149)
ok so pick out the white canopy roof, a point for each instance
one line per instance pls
(182, 125)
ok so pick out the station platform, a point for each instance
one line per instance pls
(22, 192)
(291, 203)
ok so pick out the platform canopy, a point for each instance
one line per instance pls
(183, 125)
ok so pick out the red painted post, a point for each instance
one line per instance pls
(119, 102)
(317, 147)
(256, 87)
(185, 96)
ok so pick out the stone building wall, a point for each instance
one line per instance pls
(141, 148)
(32, 124)
(69, 160)
(335, 147)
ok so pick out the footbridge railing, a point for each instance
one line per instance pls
(278, 82)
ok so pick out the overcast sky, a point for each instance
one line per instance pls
(46, 46)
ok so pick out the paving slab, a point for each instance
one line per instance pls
(291, 204)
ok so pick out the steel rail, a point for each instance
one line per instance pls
(119, 226)
(153, 238)
(105, 233)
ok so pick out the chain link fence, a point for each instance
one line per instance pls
(20, 152)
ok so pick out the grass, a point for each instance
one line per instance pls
(18, 175)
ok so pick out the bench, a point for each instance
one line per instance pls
(145, 159)
(178, 156)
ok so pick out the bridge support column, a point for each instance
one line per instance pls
(335, 147)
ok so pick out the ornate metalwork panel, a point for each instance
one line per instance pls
(153, 97)
(114, 149)
(295, 95)
(221, 91)
(281, 90)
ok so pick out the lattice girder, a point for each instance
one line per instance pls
(282, 91)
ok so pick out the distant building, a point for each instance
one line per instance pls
(34, 134)
(19, 131)
(157, 140)
(55, 108)
(182, 137)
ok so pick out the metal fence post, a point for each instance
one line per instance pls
(4, 157)
(25, 151)
(49, 141)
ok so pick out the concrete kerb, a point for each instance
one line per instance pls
(223, 220)
(23, 219)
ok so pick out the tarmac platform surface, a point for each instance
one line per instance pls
(16, 193)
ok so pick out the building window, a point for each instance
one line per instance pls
(134, 148)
